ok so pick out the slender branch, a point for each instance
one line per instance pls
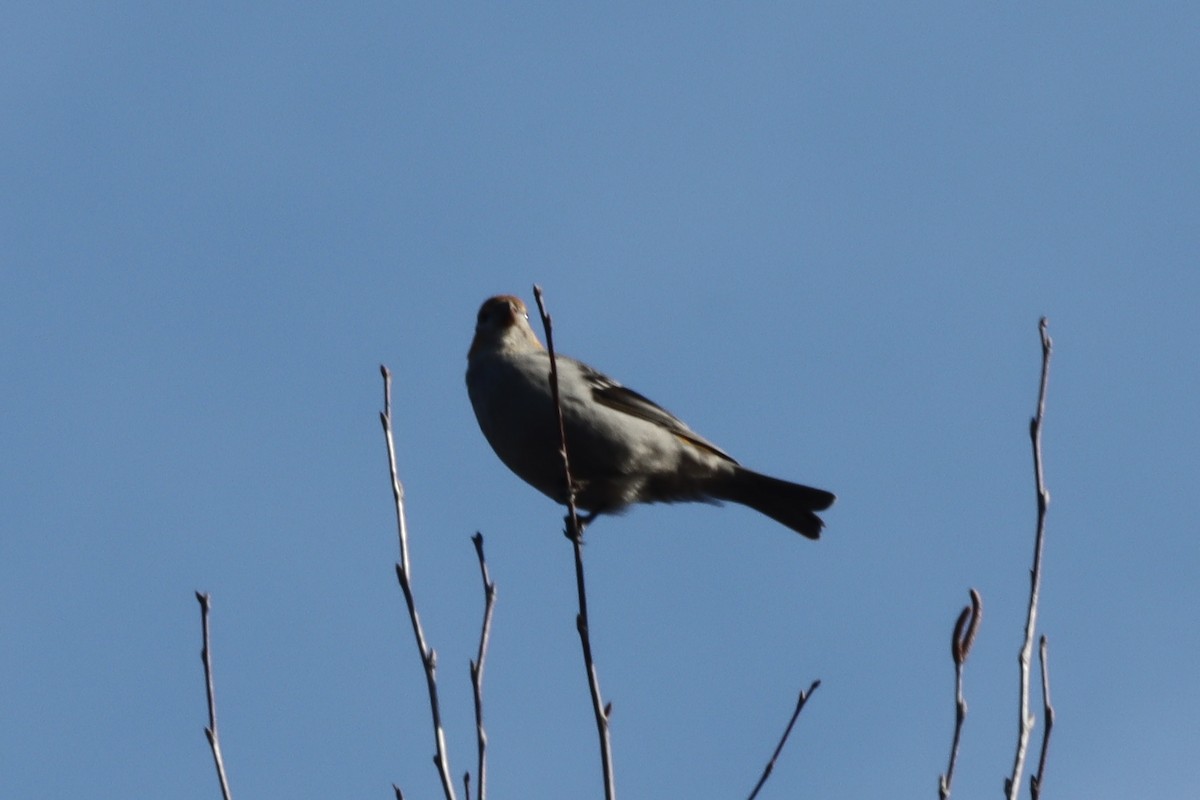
(489, 603)
(961, 641)
(575, 527)
(1012, 784)
(214, 740)
(767, 770)
(403, 574)
(1035, 781)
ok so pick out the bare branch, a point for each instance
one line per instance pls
(766, 773)
(1012, 784)
(575, 525)
(489, 603)
(961, 641)
(214, 739)
(575, 528)
(403, 574)
(1035, 781)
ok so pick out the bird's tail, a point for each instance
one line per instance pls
(791, 504)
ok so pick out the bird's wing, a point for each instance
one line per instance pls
(608, 392)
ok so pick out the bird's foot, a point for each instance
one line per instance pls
(583, 520)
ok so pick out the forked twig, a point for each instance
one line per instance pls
(575, 528)
(767, 770)
(489, 603)
(1035, 781)
(403, 573)
(214, 739)
(961, 640)
(1012, 784)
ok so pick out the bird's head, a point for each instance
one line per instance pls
(503, 323)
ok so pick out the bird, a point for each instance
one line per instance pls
(623, 448)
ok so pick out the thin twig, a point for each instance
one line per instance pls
(961, 641)
(575, 534)
(1035, 781)
(489, 603)
(403, 573)
(767, 770)
(575, 527)
(214, 739)
(1012, 784)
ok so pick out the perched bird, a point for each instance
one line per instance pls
(623, 448)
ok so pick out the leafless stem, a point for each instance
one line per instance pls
(767, 770)
(1012, 784)
(489, 603)
(403, 574)
(1035, 781)
(214, 740)
(961, 640)
(575, 528)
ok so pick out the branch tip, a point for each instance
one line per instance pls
(477, 667)
(210, 732)
(767, 770)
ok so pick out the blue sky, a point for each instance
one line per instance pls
(823, 236)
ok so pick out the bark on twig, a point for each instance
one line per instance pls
(961, 641)
(214, 739)
(441, 759)
(575, 528)
(489, 603)
(1035, 781)
(767, 770)
(1012, 784)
